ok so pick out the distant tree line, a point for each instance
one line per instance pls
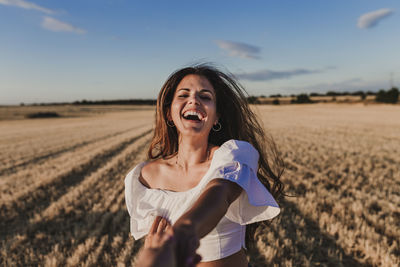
(117, 102)
(100, 102)
(252, 100)
(302, 99)
(390, 96)
(333, 93)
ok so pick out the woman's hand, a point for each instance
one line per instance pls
(159, 246)
(157, 230)
(187, 243)
(165, 246)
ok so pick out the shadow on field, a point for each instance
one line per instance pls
(13, 217)
(302, 244)
(66, 232)
(41, 158)
(298, 244)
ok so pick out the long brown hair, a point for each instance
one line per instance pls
(238, 122)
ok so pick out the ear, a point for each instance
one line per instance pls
(217, 120)
(169, 117)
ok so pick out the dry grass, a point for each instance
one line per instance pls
(343, 165)
(62, 198)
(69, 111)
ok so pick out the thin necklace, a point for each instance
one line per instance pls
(208, 156)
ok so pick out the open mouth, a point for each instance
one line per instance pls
(193, 116)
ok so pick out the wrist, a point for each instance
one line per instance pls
(183, 221)
(185, 225)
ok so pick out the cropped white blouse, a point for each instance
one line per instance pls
(236, 161)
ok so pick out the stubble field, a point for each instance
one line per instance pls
(62, 187)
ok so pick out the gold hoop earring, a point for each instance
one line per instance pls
(218, 127)
(170, 124)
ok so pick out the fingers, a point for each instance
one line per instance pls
(159, 252)
(157, 232)
(159, 225)
(168, 238)
(162, 226)
(180, 241)
(155, 224)
(168, 231)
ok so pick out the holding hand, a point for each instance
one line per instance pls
(159, 246)
(163, 248)
(187, 243)
(160, 228)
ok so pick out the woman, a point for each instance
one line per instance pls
(209, 172)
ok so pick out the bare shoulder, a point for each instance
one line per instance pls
(150, 173)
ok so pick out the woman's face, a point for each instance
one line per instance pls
(194, 106)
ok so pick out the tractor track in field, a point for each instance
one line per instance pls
(98, 224)
(15, 168)
(48, 193)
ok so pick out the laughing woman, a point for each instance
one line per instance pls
(212, 174)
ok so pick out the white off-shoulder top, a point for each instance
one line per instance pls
(236, 161)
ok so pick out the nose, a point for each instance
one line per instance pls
(194, 99)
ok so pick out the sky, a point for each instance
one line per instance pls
(63, 51)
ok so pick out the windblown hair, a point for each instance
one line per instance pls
(238, 122)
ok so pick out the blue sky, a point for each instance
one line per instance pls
(56, 51)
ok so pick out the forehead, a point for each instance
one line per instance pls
(195, 82)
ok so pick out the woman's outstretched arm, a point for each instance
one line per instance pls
(205, 214)
(209, 208)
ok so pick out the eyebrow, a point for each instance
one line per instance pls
(202, 90)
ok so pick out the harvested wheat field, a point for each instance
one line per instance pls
(62, 187)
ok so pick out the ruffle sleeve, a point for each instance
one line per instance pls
(237, 161)
(142, 213)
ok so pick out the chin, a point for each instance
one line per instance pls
(194, 131)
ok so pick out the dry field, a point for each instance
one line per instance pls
(62, 191)
(69, 111)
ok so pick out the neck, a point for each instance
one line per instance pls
(192, 152)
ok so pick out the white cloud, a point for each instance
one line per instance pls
(267, 75)
(59, 26)
(371, 19)
(236, 49)
(26, 5)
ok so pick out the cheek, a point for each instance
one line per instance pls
(175, 110)
(213, 110)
